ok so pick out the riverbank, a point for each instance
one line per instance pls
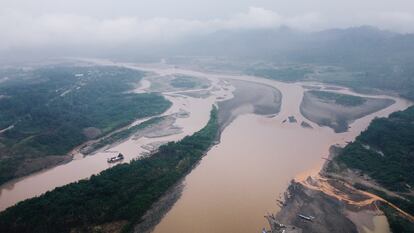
(326, 201)
(237, 184)
(142, 183)
(259, 155)
(77, 104)
(249, 97)
(264, 100)
(190, 115)
(339, 201)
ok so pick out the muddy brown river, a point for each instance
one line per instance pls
(239, 180)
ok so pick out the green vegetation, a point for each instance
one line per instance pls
(122, 135)
(340, 124)
(363, 78)
(124, 192)
(373, 58)
(397, 224)
(340, 99)
(183, 82)
(287, 74)
(52, 107)
(405, 203)
(367, 79)
(178, 83)
(388, 74)
(394, 138)
(385, 152)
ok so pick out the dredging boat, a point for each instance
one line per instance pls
(115, 159)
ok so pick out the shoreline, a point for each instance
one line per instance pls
(49, 162)
(341, 206)
(161, 208)
(253, 81)
(75, 153)
(313, 196)
(19, 189)
(336, 116)
(164, 204)
(273, 83)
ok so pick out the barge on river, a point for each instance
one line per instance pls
(115, 159)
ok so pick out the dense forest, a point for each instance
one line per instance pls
(389, 159)
(385, 152)
(51, 110)
(120, 194)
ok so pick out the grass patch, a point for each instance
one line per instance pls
(340, 99)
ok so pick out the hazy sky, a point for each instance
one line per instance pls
(45, 23)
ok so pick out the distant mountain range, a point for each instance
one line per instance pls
(382, 59)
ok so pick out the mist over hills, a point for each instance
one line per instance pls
(332, 45)
(381, 59)
(378, 58)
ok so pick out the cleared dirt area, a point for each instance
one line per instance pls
(333, 205)
(327, 212)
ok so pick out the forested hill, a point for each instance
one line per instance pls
(48, 111)
(378, 59)
(117, 197)
(385, 152)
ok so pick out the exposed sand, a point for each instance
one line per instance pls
(159, 209)
(337, 205)
(249, 97)
(328, 211)
(190, 114)
(263, 100)
(197, 94)
(337, 116)
(368, 221)
(334, 205)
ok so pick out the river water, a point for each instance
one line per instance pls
(239, 180)
(83, 167)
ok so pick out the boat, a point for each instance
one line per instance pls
(307, 218)
(115, 159)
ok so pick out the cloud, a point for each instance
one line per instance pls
(22, 30)
(254, 18)
(398, 21)
(26, 31)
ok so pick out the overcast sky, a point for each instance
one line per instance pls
(45, 23)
